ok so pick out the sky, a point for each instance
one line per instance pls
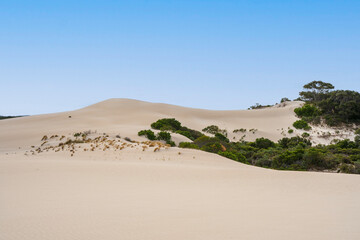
(64, 55)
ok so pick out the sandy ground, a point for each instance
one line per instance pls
(168, 194)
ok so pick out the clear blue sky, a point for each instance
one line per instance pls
(63, 55)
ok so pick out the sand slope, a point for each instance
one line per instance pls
(134, 194)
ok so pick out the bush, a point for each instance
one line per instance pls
(185, 133)
(264, 143)
(164, 136)
(290, 159)
(171, 143)
(305, 135)
(188, 145)
(357, 131)
(347, 168)
(148, 134)
(285, 99)
(213, 147)
(234, 156)
(290, 131)
(307, 110)
(213, 129)
(346, 143)
(228, 155)
(294, 142)
(222, 137)
(166, 124)
(203, 140)
(301, 124)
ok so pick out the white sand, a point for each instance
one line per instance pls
(134, 194)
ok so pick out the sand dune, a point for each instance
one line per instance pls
(126, 117)
(168, 194)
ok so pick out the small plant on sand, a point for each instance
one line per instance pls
(128, 139)
(305, 135)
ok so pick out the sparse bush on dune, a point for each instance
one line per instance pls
(213, 129)
(239, 130)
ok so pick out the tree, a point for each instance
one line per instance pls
(315, 90)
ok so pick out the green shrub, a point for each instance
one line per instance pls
(203, 140)
(357, 131)
(347, 168)
(357, 139)
(290, 131)
(301, 124)
(285, 99)
(194, 133)
(213, 147)
(305, 135)
(355, 158)
(294, 142)
(164, 136)
(264, 143)
(228, 155)
(188, 145)
(307, 110)
(221, 137)
(147, 133)
(171, 143)
(288, 158)
(346, 143)
(185, 133)
(166, 124)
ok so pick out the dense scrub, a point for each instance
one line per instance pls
(335, 108)
(295, 153)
